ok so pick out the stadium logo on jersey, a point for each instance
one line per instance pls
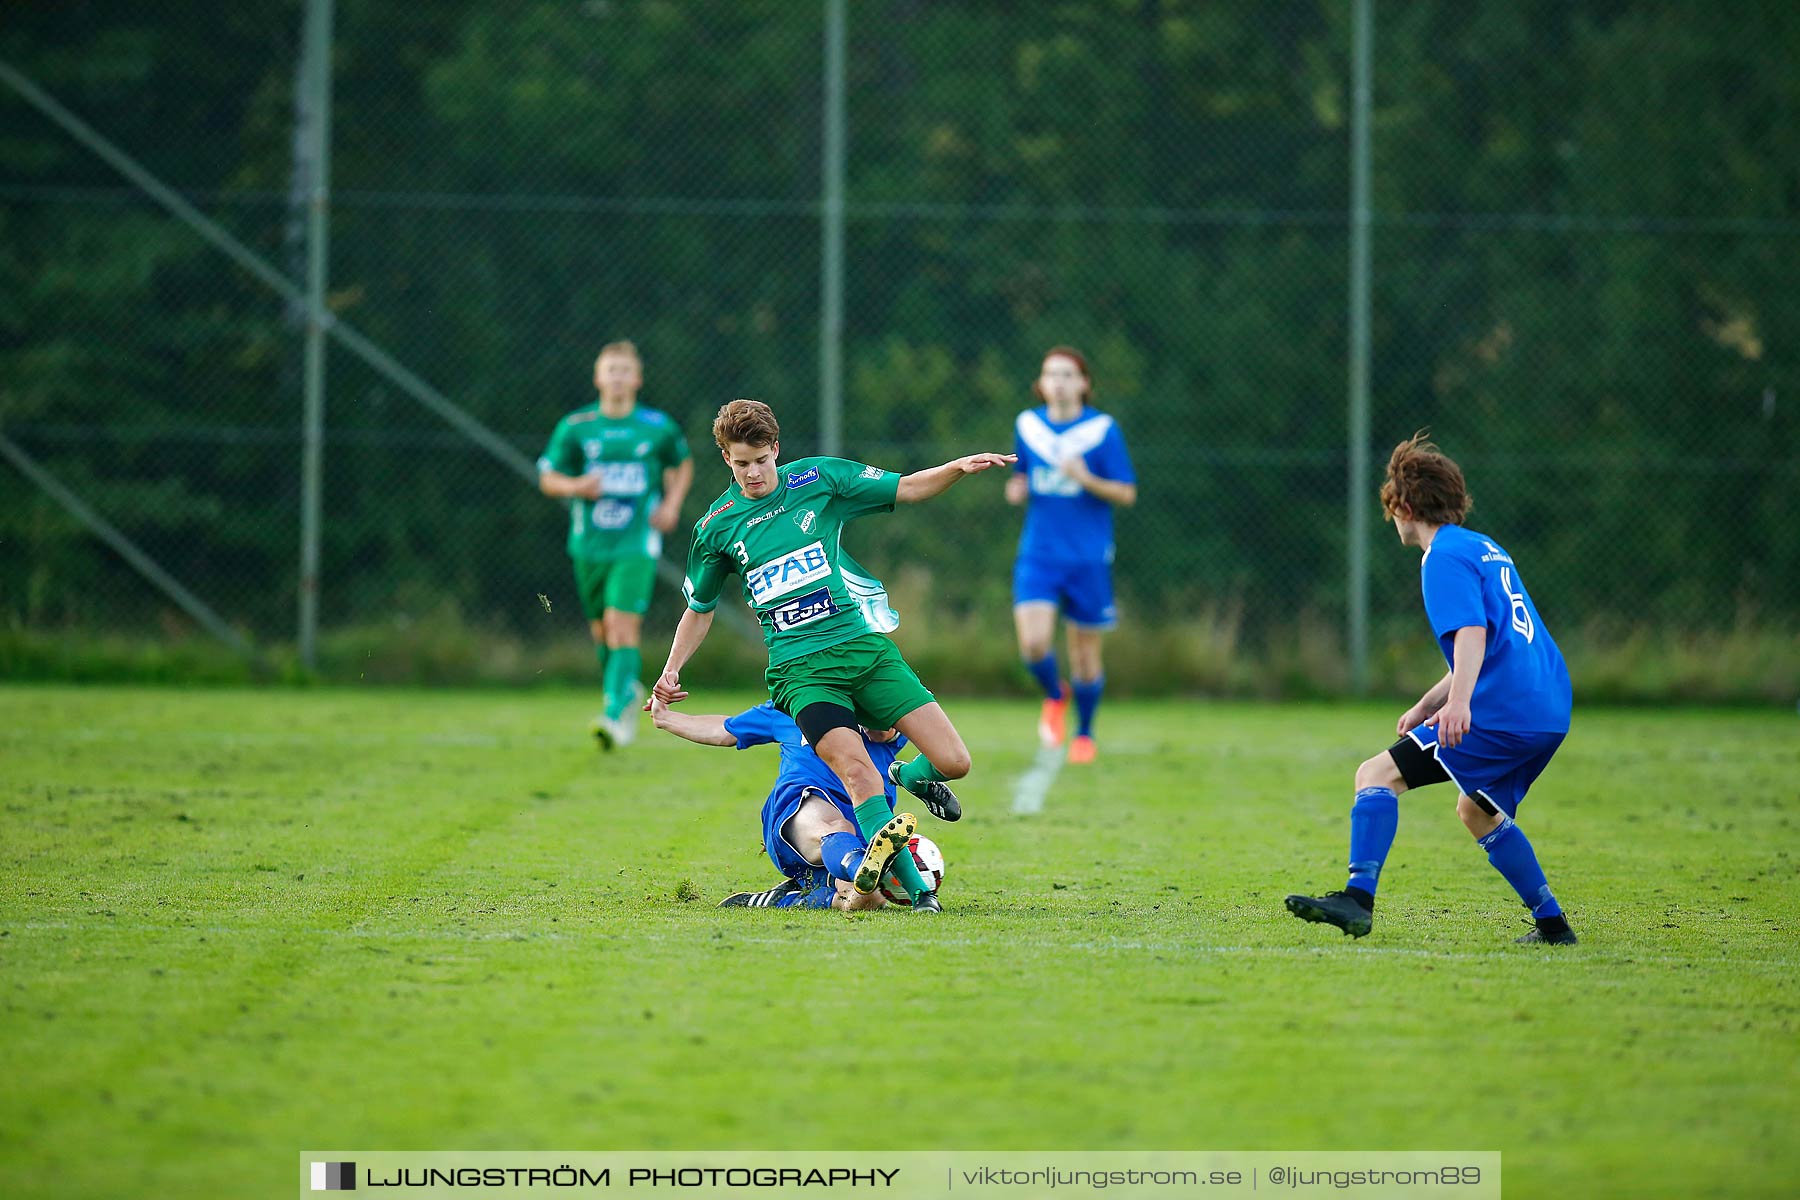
(779, 576)
(715, 512)
(806, 520)
(804, 610)
(810, 475)
(872, 472)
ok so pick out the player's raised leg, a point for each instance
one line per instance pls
(942, 756)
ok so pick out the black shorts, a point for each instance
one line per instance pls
(1421, 768)
(1418, 766)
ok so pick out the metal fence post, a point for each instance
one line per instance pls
(315, 147)
(831, 266)
(1356, 533)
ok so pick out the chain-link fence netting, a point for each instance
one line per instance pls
(1582, 217)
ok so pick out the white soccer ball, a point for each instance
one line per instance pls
(930, 861)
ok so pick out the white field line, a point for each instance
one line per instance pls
(703, 936)
(1034, 785)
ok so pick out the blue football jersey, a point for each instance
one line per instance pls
(1063, 521)
(1467, 580)
(800, 764)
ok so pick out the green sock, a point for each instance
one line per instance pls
(621, 675)
(871, 815)
(919, 771)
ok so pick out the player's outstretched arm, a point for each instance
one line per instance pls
(923, 485)
(689, 633)
(707, 731)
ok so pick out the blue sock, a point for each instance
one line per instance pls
(842, 853)
(1045, 672)
(1510, 851)
(1087, 703)
(1373, 820)
(819, 897)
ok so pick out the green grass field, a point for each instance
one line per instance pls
(237, 924)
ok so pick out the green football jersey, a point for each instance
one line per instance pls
(807, 593)
(629, 454)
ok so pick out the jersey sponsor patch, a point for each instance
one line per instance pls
(610, 514)
(873, 472)
(804, 610)
(778, 577)
(810, 475)
(1051, 481)
(715, 512)
(623, 478)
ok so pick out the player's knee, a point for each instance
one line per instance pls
(1379, 771)
(953, 765)
(1477, 820)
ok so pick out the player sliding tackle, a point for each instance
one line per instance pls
(808, 824)
(825, 622)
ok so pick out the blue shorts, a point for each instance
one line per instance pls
(777, 811)
(1082, 590)
(1493, 769)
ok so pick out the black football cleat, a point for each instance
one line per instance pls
(939, 800)
(1552, 932)
(1333, 908)
(760, 899)
(926, 902)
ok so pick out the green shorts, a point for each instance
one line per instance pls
(865, 674)
(620, 583)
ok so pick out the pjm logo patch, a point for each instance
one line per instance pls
(780, 576)
(814, 606)
(810, 475)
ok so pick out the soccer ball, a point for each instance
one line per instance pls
(930, 861)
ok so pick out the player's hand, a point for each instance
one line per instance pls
(974, 464)
(668, 688)
(587, 487)
(663, 517)
(1411, 719)
(1453, 721)
(1018, 489)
